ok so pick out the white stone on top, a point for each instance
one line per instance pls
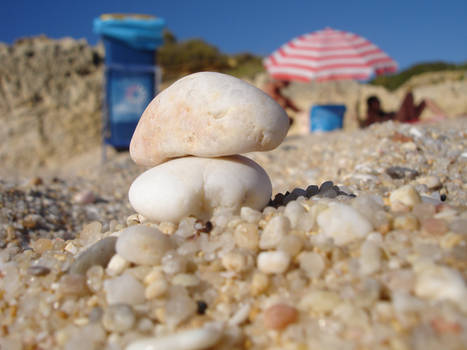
(207, 114)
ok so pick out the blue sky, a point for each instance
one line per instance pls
(409, 31)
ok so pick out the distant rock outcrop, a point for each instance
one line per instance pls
(50, 100)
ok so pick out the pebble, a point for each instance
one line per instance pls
(407, 195)
(279, 316)
(185, 280)
(193, 339)
(274, 231)
(312, 263)
(117, 265)
(84, 197)
(124, 289)
(432, 182)
(398, 172)
(343, 223)
(173, 263)
(234, 261)
(259, 283)
(118, 318)
(99, 253)
(434, 226)
(370, 258)
(143, 245)
(165, 193)
(291, 244)
(273, 262)
(246, 236)
(156, 289)
(441, 283)
(250, 215)
(406, 222)
(38, 270)
(73, 284)
(320, 301)
(225, 115)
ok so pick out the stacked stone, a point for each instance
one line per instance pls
(192, 134)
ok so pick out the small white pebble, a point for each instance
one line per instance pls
(312, 263)
(116, 265)
(156, 289)
(275, 229)
(193, 339)
(143, 245)
(71, 248)
(370, 258)
(291, 244)
(441, 283)
(234, 261)
(407, 195)
(273, 262)
(241, 315)
(185, 280)
(118, 318)
(250, 215)
(246, 236)
(343, 223)
(124, 289)
(431, 182)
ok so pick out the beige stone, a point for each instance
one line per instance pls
(207, 114)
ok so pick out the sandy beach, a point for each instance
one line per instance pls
(384, 268)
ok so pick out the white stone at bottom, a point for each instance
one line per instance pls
(200, 186)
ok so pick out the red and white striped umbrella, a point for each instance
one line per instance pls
(328, 54)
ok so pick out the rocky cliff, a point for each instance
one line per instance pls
(50, 101)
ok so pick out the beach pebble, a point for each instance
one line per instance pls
(273, 262)
(234, 261)
(193, 339)
(99, 253)
(199, 187)
(252, 216)
(274, 231)
(207, 114)
(343, 223)
(291, 244)
(179, 307)
(143, 245)
(370, 257)
(118, 318)
(279, 316)
(441, 283)
(432, 182)
(124, 289)
(246, 236)
(116, 265)
(434, 226)
(407, 195)
(156, 289)
(84, 197)
(311, 263)
(320, 301)
(398, 172)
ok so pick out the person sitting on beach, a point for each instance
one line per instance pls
(407, 113)
(274, 89)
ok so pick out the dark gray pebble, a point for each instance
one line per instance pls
(38, 270)
(398, 172)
